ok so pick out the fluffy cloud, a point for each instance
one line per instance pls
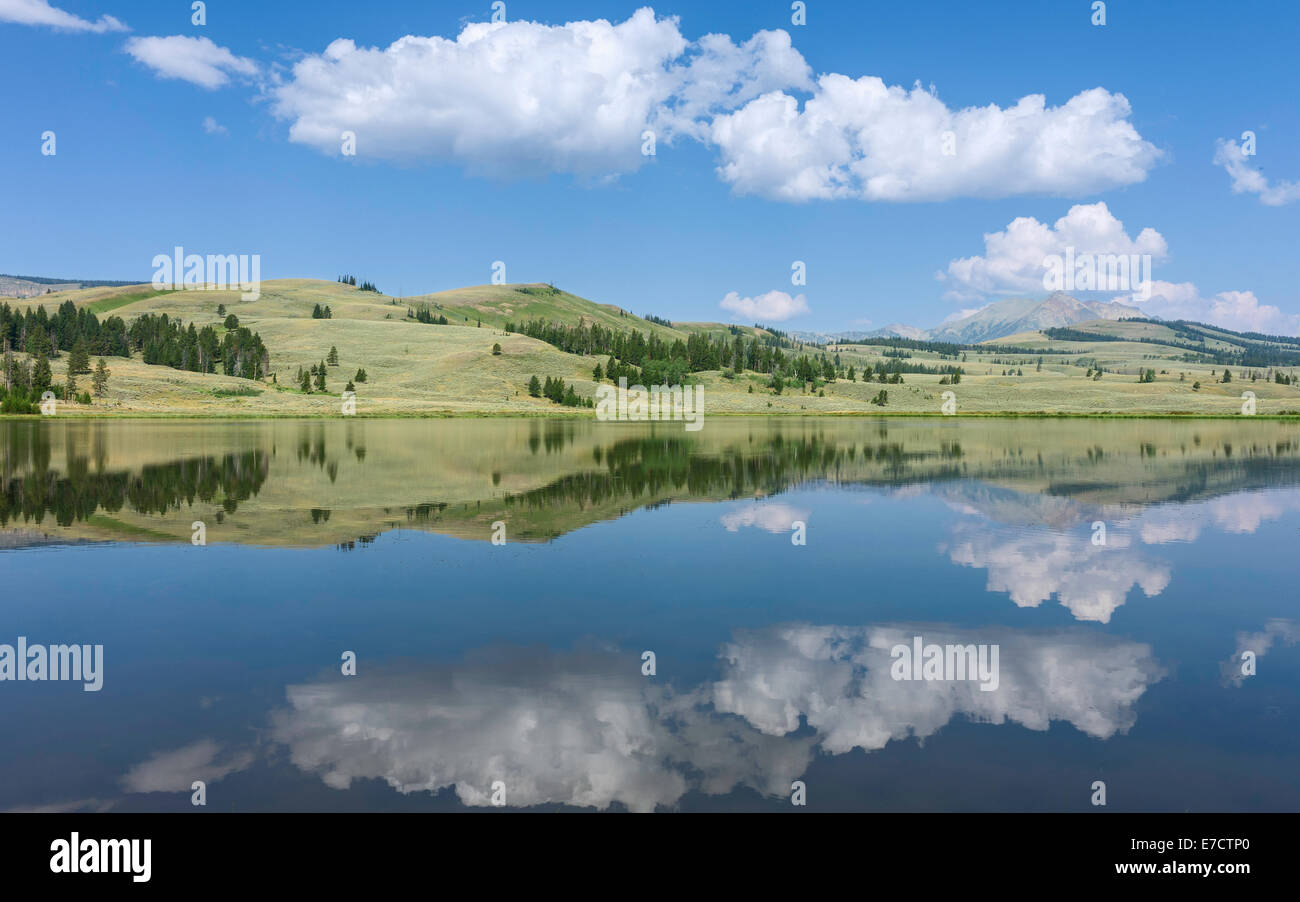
(774, 306)
(1246, 179)
(1013, 258)
(1091, 581)
(585, 729)
(1242, 513)
(770, 517)
(581, 729)
(520, 97)
(868, 140)
(1260, 643)
(196, 60)
(39, 12)
(838, 679)
(1239, 310)
(511, 97)
(720, 74)
(1014, 262)
(212, 126)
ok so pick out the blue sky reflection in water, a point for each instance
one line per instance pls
(522, 663)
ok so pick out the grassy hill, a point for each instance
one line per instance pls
(417, 369)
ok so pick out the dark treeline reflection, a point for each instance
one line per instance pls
(648, 467)
(555, 476)
(80, 491)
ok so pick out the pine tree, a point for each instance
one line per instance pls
(361, 375)
(100, 380)
(534, 387)
(304, 381)
(334, 356)
(79, 358)
(42, 378)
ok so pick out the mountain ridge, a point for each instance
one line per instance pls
(993, 321)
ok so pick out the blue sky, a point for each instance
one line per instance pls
(522, 143)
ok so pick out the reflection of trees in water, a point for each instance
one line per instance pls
(553, 435)
(79, 492)
(653, 466)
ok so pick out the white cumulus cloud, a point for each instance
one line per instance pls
(196, 60)
(1014, 263)
(517, 97)
(574, 728)
(838, 679)
(39, 12)
(774, 306)
(1238, 310)
(1091, 581)
(770, 517)
(1013, 258)
(860, 138)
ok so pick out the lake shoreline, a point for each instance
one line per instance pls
(563, 416)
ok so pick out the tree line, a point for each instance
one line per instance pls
(165, 341)
(34, 331)
(364, 286)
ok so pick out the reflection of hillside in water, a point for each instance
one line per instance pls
(31, 489)
(324, 482)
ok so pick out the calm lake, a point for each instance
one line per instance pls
(495, 586)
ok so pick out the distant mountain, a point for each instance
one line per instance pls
(821, 338)
(1008, 317)
(893, 330)
(997, 320)
(31, 286)
(899, 330)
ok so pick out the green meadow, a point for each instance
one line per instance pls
(418, 369)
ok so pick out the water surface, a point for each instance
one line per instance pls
(521, 664)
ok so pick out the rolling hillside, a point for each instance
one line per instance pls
(418, 369)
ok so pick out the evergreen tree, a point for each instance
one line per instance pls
(100, 380)
(42, 378)
(361, 375)
(79, 358)
(333, 356)
(534, 387)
